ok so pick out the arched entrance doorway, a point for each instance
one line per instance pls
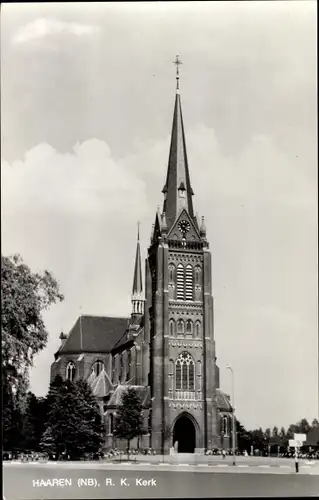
(185, 434)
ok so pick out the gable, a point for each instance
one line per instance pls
(94, 334)
(134, 333)
(191, 235)
(223, 401)
(157, 229)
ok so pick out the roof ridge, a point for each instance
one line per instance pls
(100, 316)
(95, 334)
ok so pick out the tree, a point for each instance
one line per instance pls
(291, 431)
(47, 442)
(314, 423)
(257, 439)
(283, 437)
(24, 298)
(129, 418)
(275, 439)
(167, 433)
(12, 420)
(303, 426)
(33, 422)
(267, 434)
(282, 433)
(244, 439)
(73, 417)
(29, 428)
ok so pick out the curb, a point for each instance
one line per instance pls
(159, 464)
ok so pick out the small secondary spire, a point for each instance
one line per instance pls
(177, 63)
(137, 291)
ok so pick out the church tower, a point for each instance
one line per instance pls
(179, 312)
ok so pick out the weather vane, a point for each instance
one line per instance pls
(138, 230)
(177, 63)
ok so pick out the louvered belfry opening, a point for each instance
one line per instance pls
(189, 283)
(180, 282)
(185, 282)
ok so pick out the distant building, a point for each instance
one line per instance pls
(166, 349)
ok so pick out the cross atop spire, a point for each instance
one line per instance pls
(138, 230)
(177, 63)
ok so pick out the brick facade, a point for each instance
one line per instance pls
(166, 350)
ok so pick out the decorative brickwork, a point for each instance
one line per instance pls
(166, 349)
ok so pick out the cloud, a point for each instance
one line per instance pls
(43, 27)
(75, 214)
(87, 181)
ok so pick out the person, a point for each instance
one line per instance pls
(224, 454)
(296, 462)
(176, 446)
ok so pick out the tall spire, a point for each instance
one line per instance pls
(177, 190)
(137, 291)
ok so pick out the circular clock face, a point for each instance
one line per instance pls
(184, 226)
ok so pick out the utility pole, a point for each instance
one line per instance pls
(234, 418)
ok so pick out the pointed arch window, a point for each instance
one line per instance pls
(198, 277)
(97, 367)
(225, 426)
(171, 273)
(111, 423)
(113, 368)
(171, 375)
(199, 379)
(189, 327)
(178, 371)
(70, 371)
(172, 328)
(197, 328)
(180, 327)
(129, 362)
(121, 368)
(184, 367)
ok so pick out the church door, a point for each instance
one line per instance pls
(185, 434)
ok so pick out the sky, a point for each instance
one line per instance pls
(87, 95)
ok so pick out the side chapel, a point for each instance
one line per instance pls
(166, 349)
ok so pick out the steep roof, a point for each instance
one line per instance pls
(94, 334)
(135, 329)
(222, 400)
(177, 178)
(102, 385)
(141, 390)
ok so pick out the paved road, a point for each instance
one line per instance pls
(31, 481)
(192, 459)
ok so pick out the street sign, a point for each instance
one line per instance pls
(300, 437)
(294, 443)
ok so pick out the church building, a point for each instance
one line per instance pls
(166, 350)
